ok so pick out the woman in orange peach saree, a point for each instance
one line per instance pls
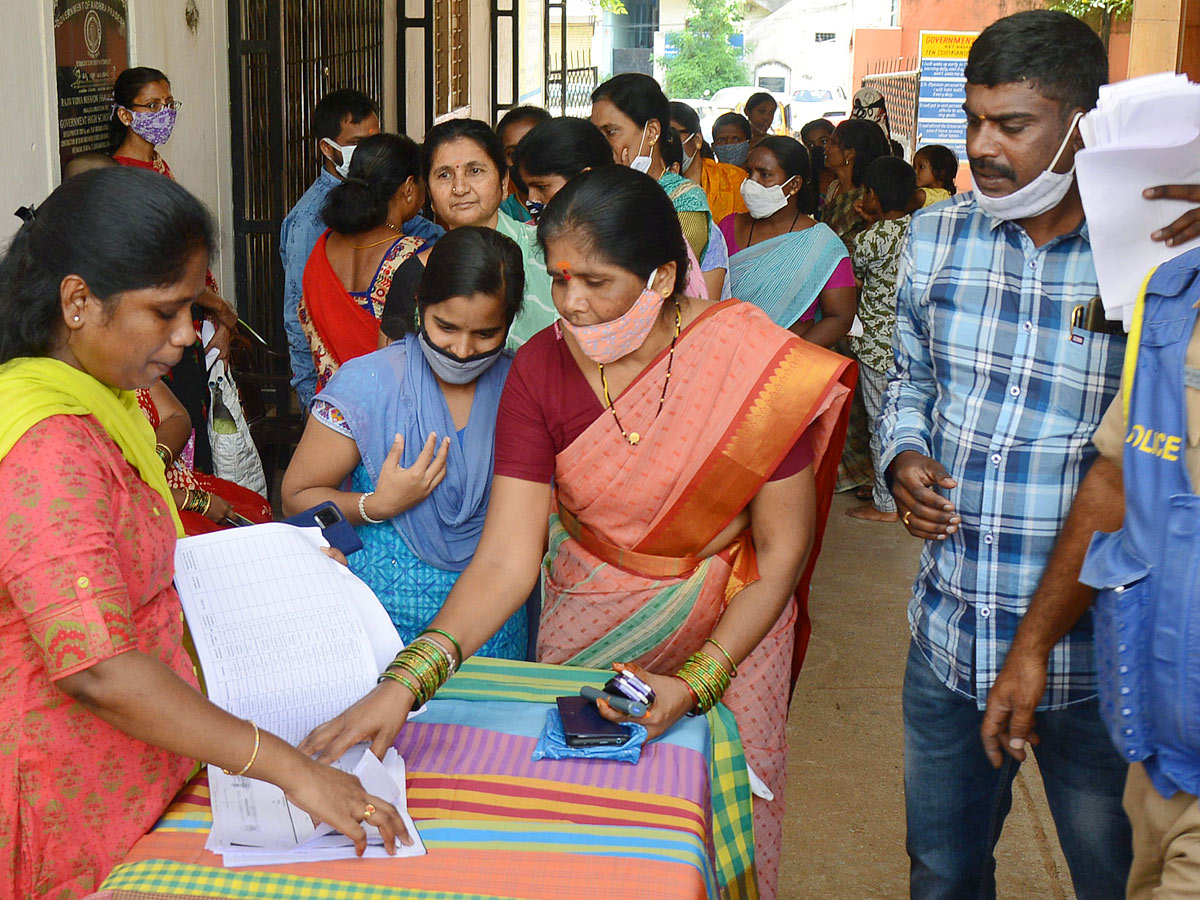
(682, 438)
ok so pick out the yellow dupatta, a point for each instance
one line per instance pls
(36, 388)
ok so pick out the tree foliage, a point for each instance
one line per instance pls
(706, 61)
(616, 7)
(1100, 14)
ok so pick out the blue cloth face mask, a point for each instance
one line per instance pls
(734, 154)
(450, 368)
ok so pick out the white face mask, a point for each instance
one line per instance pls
(687, 160)
(642, 163)
(343, 168)
(763, 201)
(1039, 196)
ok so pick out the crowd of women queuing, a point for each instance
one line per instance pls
(529, 390)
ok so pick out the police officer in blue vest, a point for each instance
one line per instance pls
(1142, 569)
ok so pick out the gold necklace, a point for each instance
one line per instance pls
(394, 228)
(633, 437)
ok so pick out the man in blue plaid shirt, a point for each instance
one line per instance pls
(986, 430)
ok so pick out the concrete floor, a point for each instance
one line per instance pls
(844, 828)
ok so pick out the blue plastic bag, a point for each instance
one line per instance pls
(553, 743)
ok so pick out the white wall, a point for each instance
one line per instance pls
(29, 140)
(197, 64)
(788, 36)
(199, 151)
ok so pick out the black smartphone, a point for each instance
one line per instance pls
(585, 727)
(333, 525)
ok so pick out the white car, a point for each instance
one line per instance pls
(810, 101)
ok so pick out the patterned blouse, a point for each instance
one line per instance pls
(840, 215)
(85, 574)
(876, 257)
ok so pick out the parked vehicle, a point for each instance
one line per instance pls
(812, 100)
(733, 99)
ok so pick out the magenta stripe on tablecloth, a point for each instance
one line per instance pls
(462, 750)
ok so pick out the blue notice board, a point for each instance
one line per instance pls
(940, 118)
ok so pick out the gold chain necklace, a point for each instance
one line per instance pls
(633, 437)
(395, 228)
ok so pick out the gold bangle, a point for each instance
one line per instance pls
(448, 636)
(165, 454)
(732, 664)
(253, 753)
(445, 654)
(207, 502)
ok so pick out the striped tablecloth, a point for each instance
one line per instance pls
(497, 824)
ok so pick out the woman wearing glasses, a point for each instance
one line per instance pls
(143, 117)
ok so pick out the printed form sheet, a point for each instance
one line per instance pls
(286, 636)
(289, 638)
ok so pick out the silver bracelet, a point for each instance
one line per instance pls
(362, 509)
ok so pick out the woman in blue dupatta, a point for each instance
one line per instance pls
(402, 439)
(780, 259)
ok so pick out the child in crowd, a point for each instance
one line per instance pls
(936, 167)
(890, 185)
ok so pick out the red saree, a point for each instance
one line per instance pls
(622, 580)
(337, 326)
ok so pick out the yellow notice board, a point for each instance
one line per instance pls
(940, 117)
(947, 44)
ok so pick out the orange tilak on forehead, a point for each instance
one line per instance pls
(565, 268)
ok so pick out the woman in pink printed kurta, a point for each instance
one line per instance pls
(76, 588)
(101, 716)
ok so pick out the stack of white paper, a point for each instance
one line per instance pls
(255, 825)
(1143, 132)
(289, 638)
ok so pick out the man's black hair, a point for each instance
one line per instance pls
(335, 107)
(1058, 54)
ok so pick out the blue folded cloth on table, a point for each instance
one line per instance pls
(553, 743)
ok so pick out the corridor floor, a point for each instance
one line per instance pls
(844, 827)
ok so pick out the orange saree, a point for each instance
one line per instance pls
(623, 581)
(337, 325)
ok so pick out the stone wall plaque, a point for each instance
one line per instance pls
(91, 48)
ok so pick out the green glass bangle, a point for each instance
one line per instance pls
(732, 664)
(448, 636)
(399, 677)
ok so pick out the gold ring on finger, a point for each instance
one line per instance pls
(369, 811)
(907, 516)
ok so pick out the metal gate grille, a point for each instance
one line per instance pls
(899, 80)
(283, 57)
(327, 44)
